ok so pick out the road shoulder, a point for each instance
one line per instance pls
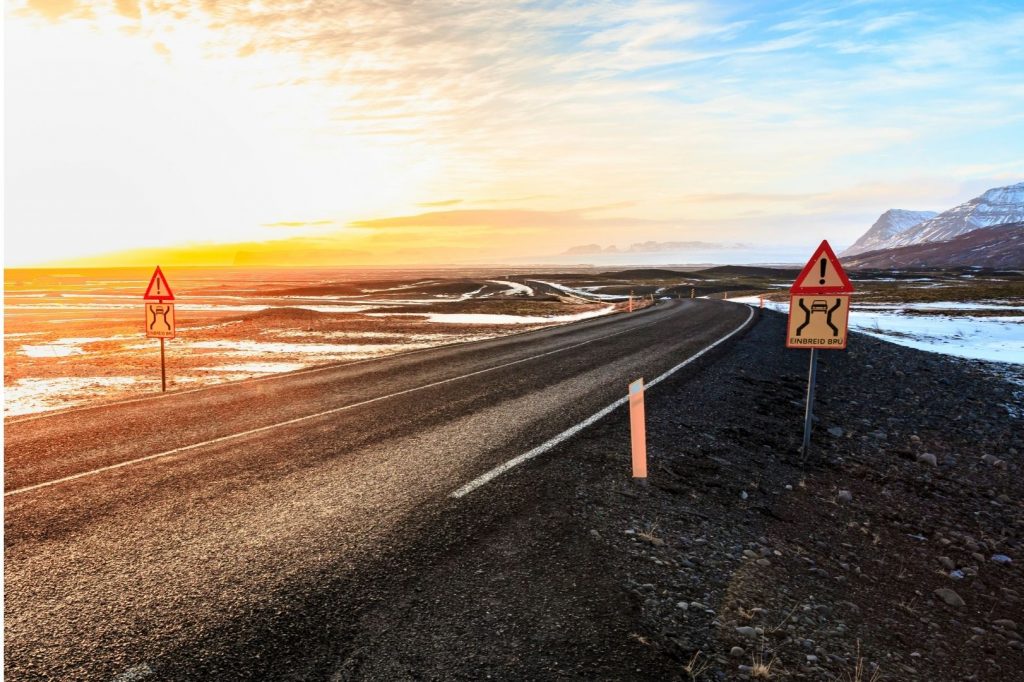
(736, 554)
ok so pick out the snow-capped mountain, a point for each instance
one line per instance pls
(1001, 246)
(893, 222)
(997, 206)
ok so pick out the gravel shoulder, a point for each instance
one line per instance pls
(894, 552)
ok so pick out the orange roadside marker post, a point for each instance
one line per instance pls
(637, 430)
(762, 301)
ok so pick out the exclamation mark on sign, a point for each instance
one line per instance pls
(157, 286)
(821, 267)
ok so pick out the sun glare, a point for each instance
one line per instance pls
(144, 139)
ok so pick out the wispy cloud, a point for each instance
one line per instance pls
(684, 115)
(503, 219)
(435, 204)
(299, 223)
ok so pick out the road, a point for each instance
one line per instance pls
(208, 534)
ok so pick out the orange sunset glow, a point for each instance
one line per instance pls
(349, 133)
(545, 340)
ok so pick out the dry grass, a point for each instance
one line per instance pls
(859, 673)
(649, 536)
(760, 669)
(785, 620)
(696, 667)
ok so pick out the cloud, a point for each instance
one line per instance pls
(886, 22)
(502, 219)
(745, 197)
(686, 117)
(446, 202)
(299, 223)
(128, 8)
(54, 9)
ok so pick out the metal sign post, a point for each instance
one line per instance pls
(809, 408)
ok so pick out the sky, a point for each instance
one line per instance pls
(280, 132)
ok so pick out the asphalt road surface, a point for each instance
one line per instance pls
(228, 532)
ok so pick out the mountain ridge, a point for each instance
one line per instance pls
(890, 224)
(998, 246)
(996, 206)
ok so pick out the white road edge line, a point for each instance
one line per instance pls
(597, 416)
(296, 420)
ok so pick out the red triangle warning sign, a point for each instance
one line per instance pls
(822, 275)
(158, 289)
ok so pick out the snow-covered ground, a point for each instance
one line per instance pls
(581, 293)
(488, 318)
(995, 338)
(517, 289)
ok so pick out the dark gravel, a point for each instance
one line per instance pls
(735, 554)
(737, 559)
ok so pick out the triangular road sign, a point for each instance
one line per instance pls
(158, 289)
(822, 275)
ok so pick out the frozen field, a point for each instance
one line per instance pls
(979, 330)
(73, 338)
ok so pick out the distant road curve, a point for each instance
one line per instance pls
(146, 538)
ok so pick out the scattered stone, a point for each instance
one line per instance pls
(845, 496)
(947, 563)
(928, 458)
(835, 432)
(1001, 559)
(736, 652)
(594, 534)
(746, 631)
(949, 596)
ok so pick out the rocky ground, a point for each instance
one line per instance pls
(893, 552)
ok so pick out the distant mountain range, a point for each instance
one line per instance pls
(886, 243)
(999, 247)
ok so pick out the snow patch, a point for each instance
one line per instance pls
(517, 289)
(487, 318)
